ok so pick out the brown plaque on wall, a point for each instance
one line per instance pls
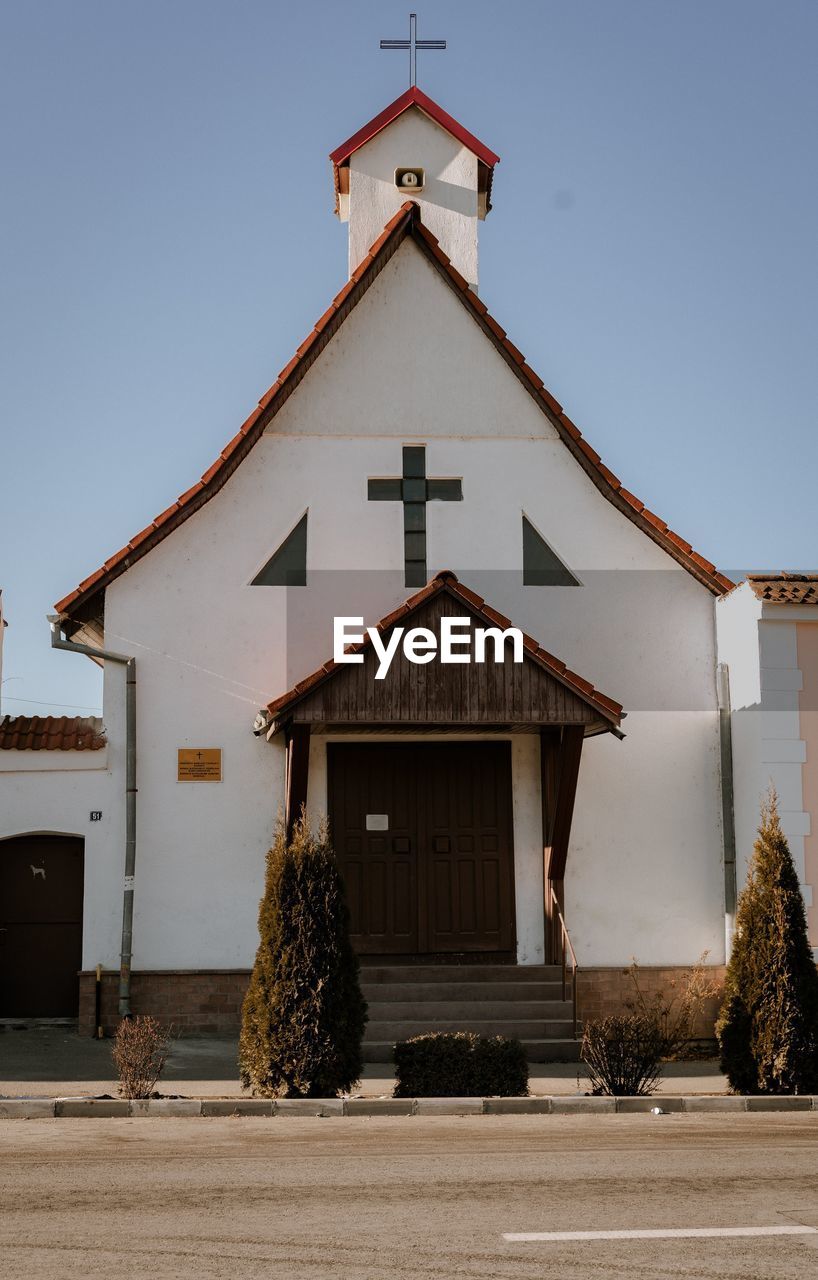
(200, 764)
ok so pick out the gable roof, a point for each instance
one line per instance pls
(447, 583)
(51, 733)
(413, 97)
(784, 588)
(84, 603)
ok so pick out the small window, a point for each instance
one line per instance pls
(287, 567)
(542, 567)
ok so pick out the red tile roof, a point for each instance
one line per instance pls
(448, 582)
(405, 224)
(51, 733)
(414, 97)
(785, 588)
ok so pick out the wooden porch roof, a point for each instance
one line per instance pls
(525, 696)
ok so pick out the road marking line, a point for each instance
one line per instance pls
(670, 1233)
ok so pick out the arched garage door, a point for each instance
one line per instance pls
(41, 881)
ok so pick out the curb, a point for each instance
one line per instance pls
(112, 1108)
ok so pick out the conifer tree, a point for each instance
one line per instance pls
(304, 1015)
(768, 1024)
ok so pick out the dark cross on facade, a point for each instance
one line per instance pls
(413, 44)
(414, 490)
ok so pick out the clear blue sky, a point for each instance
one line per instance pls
(168, 240)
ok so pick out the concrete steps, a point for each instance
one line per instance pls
(488, 1010)
(433, 992)
(516, 973)
(524, 1002)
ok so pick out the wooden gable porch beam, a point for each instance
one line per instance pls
(298, 771)
(560, 755)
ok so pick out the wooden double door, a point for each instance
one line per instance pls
(41, 889)
(423, 835)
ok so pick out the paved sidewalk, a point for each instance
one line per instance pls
(54, 1062)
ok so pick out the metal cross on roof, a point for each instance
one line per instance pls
(413, 44)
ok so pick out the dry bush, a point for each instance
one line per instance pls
(623, 1055)
(140, 1051)
(677, 1007)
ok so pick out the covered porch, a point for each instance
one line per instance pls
(449, 789)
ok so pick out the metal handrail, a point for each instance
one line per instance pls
(565, 940)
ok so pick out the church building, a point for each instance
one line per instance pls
(523, 810)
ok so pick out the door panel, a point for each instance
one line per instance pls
(41, 888)
(469, 826)
(379, 867)
(441, 878)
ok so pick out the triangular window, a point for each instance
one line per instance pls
(542, 567)
(287, 567)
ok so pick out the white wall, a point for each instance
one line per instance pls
(644, 868)
(737, 620)
(645, 872)
(200, 680)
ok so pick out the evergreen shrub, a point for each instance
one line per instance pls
(460, 1064)
(768, 1024)
(304, 1015)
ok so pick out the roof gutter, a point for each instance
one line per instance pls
(126, 950)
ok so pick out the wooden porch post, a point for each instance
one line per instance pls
(560, 751)
(298, 769)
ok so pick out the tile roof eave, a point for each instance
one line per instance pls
(785, 588)
(52, 733)
(405, 222)
(413, 97)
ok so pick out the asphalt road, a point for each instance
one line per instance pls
(367, 1199)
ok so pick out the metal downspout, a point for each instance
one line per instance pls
(126, 949)
(728, 820)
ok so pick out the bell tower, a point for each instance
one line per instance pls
(415, 150)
